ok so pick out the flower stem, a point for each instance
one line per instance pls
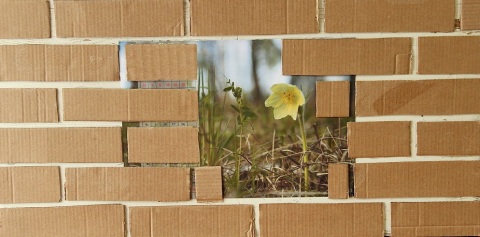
(303, 134)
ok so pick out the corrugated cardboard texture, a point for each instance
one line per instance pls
(59, 63)
(163, 145)
(333, 99)
(448, 138)
(427, 97)
(152, 62)
(449, 55)
(436, 219)
(250, 17)
(192, 221)
(129, 105)
(378, 139)
(470, 16)
(148, 18)
(29, 184)
(318, 220)
(389, 16)
(338, 183)
(60, 145)
(128, 184)
(24, 19)
(208, 184)
(346, 56)
(73, 221)
(417, 179)
(28, 105)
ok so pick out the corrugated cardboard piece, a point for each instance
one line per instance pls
(29, 184)
(389, 16)
(378, 139)
(60, 145)
(28, 105)
(346, 56)
(128, 184)
(329, 220)
(192, 221)
(59, 63)
(208, 184)
(333, 99)
(154, 62)
(448, 138)
(338, 182)
(99, 220)
(148, 18)
(470, 16)
(250, 17)
(436, 219)
(130, 105)
(163, 145)
(449, 55)
(417, 179)
(24, 19)
(419, 97)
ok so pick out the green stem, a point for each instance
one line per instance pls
(301, 121)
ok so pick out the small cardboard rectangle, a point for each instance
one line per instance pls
(28, 105)
(346, 56)
(448, 138)
(470, 15)
(333, 99)
(128, 184)
(321, 220)
(338, 181)
(208, 184)
(163, 145)
(24, 19)
(61, 145)
(98, 220)
(417, 179)
(30, 184)
(193, 221)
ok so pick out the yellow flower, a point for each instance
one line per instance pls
(285, 100)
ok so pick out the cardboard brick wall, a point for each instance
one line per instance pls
(338, 181)
(28, 105)
(470, 16)
(208, 184)
(333, 99)
(24, 19)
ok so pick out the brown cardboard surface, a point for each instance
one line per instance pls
(338, 182)
(208, 184)
(128, 184)
(318, 220)
(154, 62)
(163, 145)
(389, 16)
(29, 184)
(130, 105)
(147, 18)
(417, 179)
(346, 56)
(250, 17)
(59, 63)
(73, 221)
(436, 219)
(333, 99)
(378, 139)
(449, 55)
(28, 105)
(24, 19)
(417, 97)
(448, 138)
(60, 145)
(192, 221)
(470, 15)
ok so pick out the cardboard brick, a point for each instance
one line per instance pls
(148, 18)
(417, 179)
(61, 145)
(29, 184)
(470, 15)
(449, 55)
(152, 62)
(378, 139)
(338, 181)
(318, 220)
(74, 221)
(208, 184)
(163, 145)
(346, 56)
(250, 17)
(389, 16)
(192, 221)
(333, 99)
(448, 138)
(436, 219)
(130, 105)
(417, 97)
(28, 105)
(128, 184)
(59, 63)
(24, 19)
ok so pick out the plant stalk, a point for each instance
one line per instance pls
(303, 134)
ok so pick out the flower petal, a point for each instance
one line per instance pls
(280, 88)
(301, 98)
(274, 100)
(280, 112)
(293, 111)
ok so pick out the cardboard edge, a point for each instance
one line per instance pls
(338, 169)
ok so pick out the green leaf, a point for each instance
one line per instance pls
(235, 108)
(227, 89)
